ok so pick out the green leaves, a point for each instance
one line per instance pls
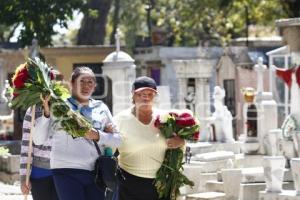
(4, 151)
(37, 17)
(59, 90)
(41, 76)
(39, 84)
(188, 132)
(169, 177)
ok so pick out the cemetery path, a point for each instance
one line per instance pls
(11, 192)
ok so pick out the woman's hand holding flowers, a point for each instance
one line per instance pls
(175, 142)
(92, 135)
(45, 102)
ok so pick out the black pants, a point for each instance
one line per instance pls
(137, 188)
(43, 189)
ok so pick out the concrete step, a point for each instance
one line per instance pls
(256, 175)
(205, 147)
(284, 195)
(214, 186)
(206, 196)
(200, 180)
(9, 178)
(248, 191)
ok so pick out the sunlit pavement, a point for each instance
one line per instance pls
(11, 192)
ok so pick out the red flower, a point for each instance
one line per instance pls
(20, 77)
(157, 122)
(185, 119)
(52, 75)
(196, 136)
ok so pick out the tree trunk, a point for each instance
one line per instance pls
(92, 30)
(292, 7)
(115, 21)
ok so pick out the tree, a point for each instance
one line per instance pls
(37, 17)
(291, 7)
(190, 23)
(6, 32)
(194, 22)
(93, 25)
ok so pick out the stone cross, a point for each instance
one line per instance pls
(260, 68)
(117, 37)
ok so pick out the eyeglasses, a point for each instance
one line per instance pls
(87, 81)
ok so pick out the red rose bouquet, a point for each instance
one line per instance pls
(34, 79)
(169, 177)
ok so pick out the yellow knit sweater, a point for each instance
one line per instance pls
(143, 147)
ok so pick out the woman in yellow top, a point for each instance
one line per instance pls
(143, 147)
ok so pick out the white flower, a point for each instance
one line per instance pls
(164, 118)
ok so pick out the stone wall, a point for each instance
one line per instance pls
(9, 164)
(9, 168)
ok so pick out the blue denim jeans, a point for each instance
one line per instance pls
(76, 184)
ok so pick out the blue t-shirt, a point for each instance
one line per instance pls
(37, 172)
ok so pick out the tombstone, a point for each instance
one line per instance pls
(295, 165)
(291, 125)
(5, 99)
(232, 180)
(221, 119)
(290, 31)
(250, 142)
(120, 68)
(266, 109)
(198, 72)
(274, 171)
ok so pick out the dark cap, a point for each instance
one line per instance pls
(142, 83)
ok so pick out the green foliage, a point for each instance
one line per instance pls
(190, 22)
(37, 17)
(6, 32)
(4, 151)
(186, 22)
(93, 13)
(169, 177)
(37, 84)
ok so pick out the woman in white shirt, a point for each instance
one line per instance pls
(72, 159)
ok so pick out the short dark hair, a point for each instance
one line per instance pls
(82, 70)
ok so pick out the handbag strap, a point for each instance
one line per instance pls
(97, 148)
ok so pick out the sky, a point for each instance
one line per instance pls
(72, 24)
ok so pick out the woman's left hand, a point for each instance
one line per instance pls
(175, 142)
(92, 135)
